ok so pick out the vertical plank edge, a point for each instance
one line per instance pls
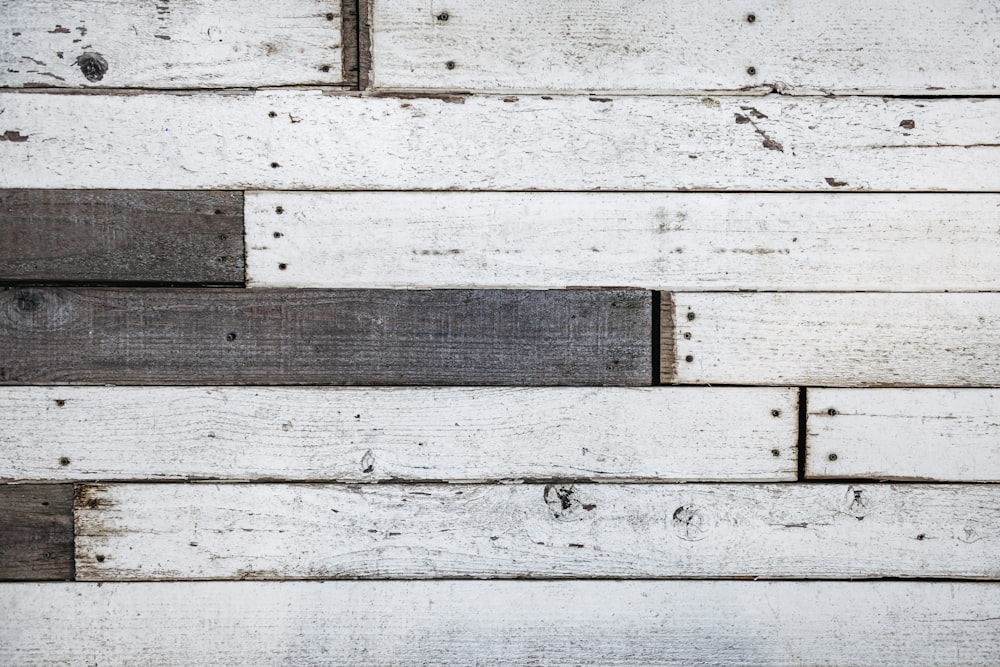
(668, 347)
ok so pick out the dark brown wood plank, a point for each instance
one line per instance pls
(120, 236)
(36, 532)
(351, 337)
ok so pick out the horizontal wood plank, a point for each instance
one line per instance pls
(679, 241)
(832, 339)
(278, 531)
(121, 236)
(369, 435)
(934, 434)
(308, 140)
(850, 46)
(238, 336)
(179, 44)
(36, 531)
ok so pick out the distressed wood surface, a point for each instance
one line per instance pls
(368, 435)
(799, 46)
(36, 532)
(934, 434)
(121, 236)
(832, 339)
(305, 140)
(513, 623)
(681, 241)
(170, 44)
(277, 531)
(238, 336)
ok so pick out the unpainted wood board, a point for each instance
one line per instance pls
(385, 531)
(172, 44)
(373, 435)
(238, 336)
(933, 434)
(671, 241)
(36, 532)
(317, 140)
(121, 236)
(833, 339)
(792, 46)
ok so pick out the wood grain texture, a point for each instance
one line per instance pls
(679, 241)
(36, 531)
(308, 140)
(835, 339)
(934, 434)
(798, 46)
(172, 44)
(238, 336)
(512, 623)
(371, 435)
(120, 236)
(300, 531)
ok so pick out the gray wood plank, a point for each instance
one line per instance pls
(350, 337)
(36, 532)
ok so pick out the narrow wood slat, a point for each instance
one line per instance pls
(120, 236)
(832, 339)
(687, 241)
(306, 140)
(279, 531)
(36, 531)
(368, 435)
(237, 336)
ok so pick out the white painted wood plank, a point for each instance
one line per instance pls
(832, 339)
(794, 46)
(276, 531)
(678, 241)
(934, 434)
(312, 140)
(171, 44)
(372, 435)
(512, 623)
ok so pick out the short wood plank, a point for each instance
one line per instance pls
(238, 336)
(172, 44)
(371, 435)
(833, 339)
(678, 241)
(121, 236)
(798, 46)
(297, 531)
(36, 531)
(512, 623)
(933, 434)
(309, 140)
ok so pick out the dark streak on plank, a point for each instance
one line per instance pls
(364, 43)
(121, 236)
(349, 42)
(36, 532)
(668, 351)
(304, 336)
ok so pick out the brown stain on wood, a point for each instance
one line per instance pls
(668, 344)
(36, 532)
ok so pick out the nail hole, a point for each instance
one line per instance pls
(272, 114)
(324, 68)
(689, 358)
(230, 337)
(64, 461)
(218, 211)
(282, 266)
(279, 210)
(687, 335)
(443, 16)
(100, 559)
(775, 413)
(691, 316)
(752, 71)
(751, 18)
(450, 64)
(275, 165)
(330, 16)
(921, 536)
(277, 235)
(832, 457)
(60, 402)
(832, 412)
(775, 452)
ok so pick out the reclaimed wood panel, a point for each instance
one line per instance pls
(677, 241)
(307, 140)
(170, 44)
(798, 47)
(299, 531)
(933, 434)
(238, 336)
(36, 531)
(115, 236)
(831, 339)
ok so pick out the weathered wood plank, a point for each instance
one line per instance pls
(304, 140)
(798, 46)
(36, 531)
(513, 623)
(833, 339)
(935, 434)
(277, 531)
(238, 336)
(680, 241)
(178, 44)
(121, 236)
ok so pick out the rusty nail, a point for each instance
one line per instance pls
(832, 457)
(752, 71)
(691, 316)
(450, 64)
(443, 16)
